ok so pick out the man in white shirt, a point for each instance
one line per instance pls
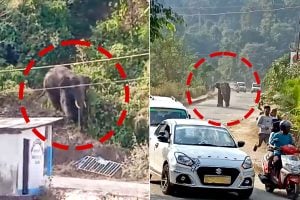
(265, 124)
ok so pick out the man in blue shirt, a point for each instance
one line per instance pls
(275, 129)
(280, 139)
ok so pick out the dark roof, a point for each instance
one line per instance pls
(16, 125)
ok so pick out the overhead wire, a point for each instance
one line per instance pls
(84, 85)
(77, 63)
(239, 12)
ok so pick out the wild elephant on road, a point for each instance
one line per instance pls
(223, 94)
(70, 100)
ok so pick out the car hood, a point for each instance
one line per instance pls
(207, 152)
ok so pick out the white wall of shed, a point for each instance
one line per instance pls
(10, 157)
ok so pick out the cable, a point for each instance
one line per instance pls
(90, 84)
(77, 63)
(199, 8)
(240, 12)
(212, 7)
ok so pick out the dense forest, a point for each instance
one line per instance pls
(120, 26)
(261, 31)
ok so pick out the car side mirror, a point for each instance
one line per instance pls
(162, 138)
(162, 133)
(241, 143)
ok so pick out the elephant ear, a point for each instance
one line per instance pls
(86, 80)
(66, 81)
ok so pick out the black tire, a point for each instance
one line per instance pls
(245, 194)
(269, 188)
(166, 187)
(293, 192)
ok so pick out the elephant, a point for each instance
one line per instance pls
(67, 99)
(223, 94)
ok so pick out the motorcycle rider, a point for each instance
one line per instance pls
(275, 129)
(280, 139)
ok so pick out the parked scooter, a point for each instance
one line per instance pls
(288, 177)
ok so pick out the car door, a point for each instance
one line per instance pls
(153, 143)
(161, 149)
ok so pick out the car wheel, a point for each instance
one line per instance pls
(269, 188)
(293, 191)
(166, 186)
(245, 194)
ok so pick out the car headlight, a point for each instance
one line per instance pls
(294, 169)
(247, 164)
(183, 159)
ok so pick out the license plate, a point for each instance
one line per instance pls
(217, 179)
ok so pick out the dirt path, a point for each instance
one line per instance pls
(247, 131)
(94, 189)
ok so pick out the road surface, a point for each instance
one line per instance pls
(240, 103)
(131, 190)
(239, 106)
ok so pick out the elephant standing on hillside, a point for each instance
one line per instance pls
(223, 94)
(71, 99)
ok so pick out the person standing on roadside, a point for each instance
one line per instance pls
(265, 125)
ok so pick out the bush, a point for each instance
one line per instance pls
(282, 85)
(169, 89)
(176, 90)
(137, 165)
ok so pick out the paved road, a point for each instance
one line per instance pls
(240, 104)
(258, 194)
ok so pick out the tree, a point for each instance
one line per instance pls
(162, 19)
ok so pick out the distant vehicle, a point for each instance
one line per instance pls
(195, 154)
(255, 87)
(233, 86)
(241, 87)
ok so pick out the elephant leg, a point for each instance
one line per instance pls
(227, 103)
(228, 96)
(54, 97)
(220, 99)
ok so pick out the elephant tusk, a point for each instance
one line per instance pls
(84, 104)
(76, 103)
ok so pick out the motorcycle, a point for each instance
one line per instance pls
(288, 177)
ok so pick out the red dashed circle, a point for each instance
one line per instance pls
(203, 60)
(101, 50)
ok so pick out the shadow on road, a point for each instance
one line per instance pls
(208, 194)
(224, 108)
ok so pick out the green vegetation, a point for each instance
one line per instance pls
(171, 61)
(259, 36)
(282, 84)
(120, 26)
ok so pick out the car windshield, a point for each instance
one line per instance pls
(203, 136)
(241, 84)
(157, 115)
(255, 85)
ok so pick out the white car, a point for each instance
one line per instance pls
(162, 108)
(193, 153)
(255, 87)
(241, 87)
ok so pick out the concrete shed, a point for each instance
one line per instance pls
(25, 160)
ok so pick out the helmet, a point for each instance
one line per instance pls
(285, 125)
